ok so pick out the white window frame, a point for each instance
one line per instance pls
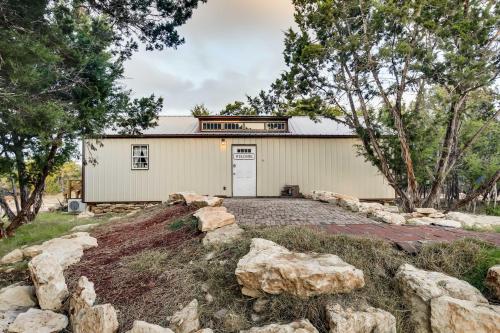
(133, 157)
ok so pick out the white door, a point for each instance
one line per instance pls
(244, 171)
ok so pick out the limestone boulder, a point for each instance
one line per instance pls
(211, 218)
(419, 287)
(368, 320)
(97, 319)
(420, 221)
(38, 321)
(186, 320)
(459, 316)
(387, 217)
(447, 223)
(17, 297)
(226, 234)
(144, 327)
(493, 280)
(426, 211)
(368, 207)
(83, 239)
(50, 285)
(273, 269)
(193, 199)
(67, 249)
(7, 318)
(300, 326)
(81, 300)
(84, 227)
(12, 257)
(352, 205)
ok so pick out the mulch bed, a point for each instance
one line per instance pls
(104, 265)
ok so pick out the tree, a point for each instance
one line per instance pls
(59, 82)
(200, 110)
(375, 59)
(57, 181)
(238, 108)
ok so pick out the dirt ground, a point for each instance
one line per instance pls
(135, 293)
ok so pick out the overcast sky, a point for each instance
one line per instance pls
(232, 48)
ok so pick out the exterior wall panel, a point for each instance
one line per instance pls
(204, 165)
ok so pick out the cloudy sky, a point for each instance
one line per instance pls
(233, 48)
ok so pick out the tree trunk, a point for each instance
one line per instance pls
(477, 192)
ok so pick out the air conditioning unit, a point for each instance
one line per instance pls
(76, 206)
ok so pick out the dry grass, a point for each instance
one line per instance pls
(378, 259)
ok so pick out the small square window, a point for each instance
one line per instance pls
(140, 157)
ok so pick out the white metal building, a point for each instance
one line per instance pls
(230, 156)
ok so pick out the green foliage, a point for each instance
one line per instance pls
(200, 110)
(57, 181)
(491, 210)
(238, 109)
(190, 222)
(402, 82)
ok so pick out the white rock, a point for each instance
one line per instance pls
(97, 319)
(81, 300)
(426, 211)
(451, 315)
(391, 209)
(270, 268)
(349, 204)
(211, 218)
(368, 207)
(12, 257)
(447, 223)
(67, 249)
(17, 297)
(186, 320)
(83, 239)
(38, 321)
(226, 234)
(194, 199)
(84, 227)
(260, 305)
(50, 285)
(419, 287)
(420, 221)
(7, 318)
(144, 327)
(369, 320)
(85, 215)
(32, 251)
(300, 326)
(387, 217)
(493, 280)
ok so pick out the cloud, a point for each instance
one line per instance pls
(233, 47)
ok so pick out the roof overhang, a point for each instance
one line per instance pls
(245, 118)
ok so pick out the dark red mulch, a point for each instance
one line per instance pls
(102, 264)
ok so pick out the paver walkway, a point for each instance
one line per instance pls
(336, 220)
(283, 211)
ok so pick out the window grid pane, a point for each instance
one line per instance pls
(140, 157)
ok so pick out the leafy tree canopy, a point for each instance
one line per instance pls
(373, 61)
(60, 67)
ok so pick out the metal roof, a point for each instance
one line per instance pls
(297, 126)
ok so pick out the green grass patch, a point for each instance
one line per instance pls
(47, 225)
(190, 222)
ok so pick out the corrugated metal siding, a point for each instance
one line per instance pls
(203, 165)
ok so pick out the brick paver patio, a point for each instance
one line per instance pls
(336, 220)
(283, 211)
